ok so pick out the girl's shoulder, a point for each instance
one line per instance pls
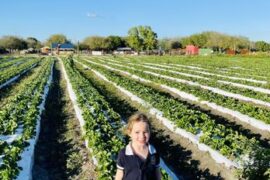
(122, 152)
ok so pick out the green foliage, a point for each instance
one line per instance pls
(56, 38)
(215, 135)
(169, 44)
(33, 43)
(23, 109)
(142, 38)
(101, 123)
(113, 42)
(256, 165)
(96, 43)
(216, 40)
(164, 175)
(13, 43)
(262, 46)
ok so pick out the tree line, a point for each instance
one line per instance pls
(139, 38)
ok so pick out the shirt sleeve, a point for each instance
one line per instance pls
(121, 160)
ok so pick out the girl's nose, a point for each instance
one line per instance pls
(142, 135)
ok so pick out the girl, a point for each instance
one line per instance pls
(138, 160)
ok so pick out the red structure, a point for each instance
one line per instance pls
(230, 51)
(192, 50)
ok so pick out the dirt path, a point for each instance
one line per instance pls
(60, 152)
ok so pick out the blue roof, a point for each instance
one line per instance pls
(64, 45)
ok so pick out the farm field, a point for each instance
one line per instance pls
(210, 116)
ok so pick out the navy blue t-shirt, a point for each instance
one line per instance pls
(136, 168)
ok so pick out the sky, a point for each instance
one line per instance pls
(78, 19)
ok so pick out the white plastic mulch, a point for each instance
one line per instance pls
(158, 114)
(78, 111)
(16, 77)
(27, 157)
(239, 116)
(213, 74)
(258, 89)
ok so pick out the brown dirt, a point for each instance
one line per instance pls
(60, 152)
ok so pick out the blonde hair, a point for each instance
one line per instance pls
(137, 117)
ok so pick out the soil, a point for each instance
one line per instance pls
(60, 152)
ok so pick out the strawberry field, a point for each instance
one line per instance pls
(214, 111)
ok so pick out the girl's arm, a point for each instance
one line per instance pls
(119, 174)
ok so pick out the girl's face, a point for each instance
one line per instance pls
(140, 133)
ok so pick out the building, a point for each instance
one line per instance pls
(64, 48)
(230, 51)
(97, 53)
(205, 51)
(123, 50)
(192, 50)
(45, 50)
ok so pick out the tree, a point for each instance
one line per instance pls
(142, 38)
(113, 42)
(33, 43)
(175, 44)
(83, 46)
(134, 39)
(13, 43)
(57, 38)
(262, 46)
(186, 41)
(165, 44)
(216, 41)
(149, 37)
(95, 43)
(199, 40)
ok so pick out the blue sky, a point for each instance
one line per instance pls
(78, 19)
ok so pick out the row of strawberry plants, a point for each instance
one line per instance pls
(249, 66)
(257, 74)
(190, 75)
(5, 59)
(102, 124)
(14, 106)
(215, 77)
(8, 73)
(20, 84)
(15, 61)
(24, 117)
(219, 72)
(13, 110)
(230, 143)
(241, 94)
(211, 75)
(259, 113)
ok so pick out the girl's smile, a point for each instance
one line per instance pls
(140, 134)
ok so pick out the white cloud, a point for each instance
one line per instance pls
(92, 15)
